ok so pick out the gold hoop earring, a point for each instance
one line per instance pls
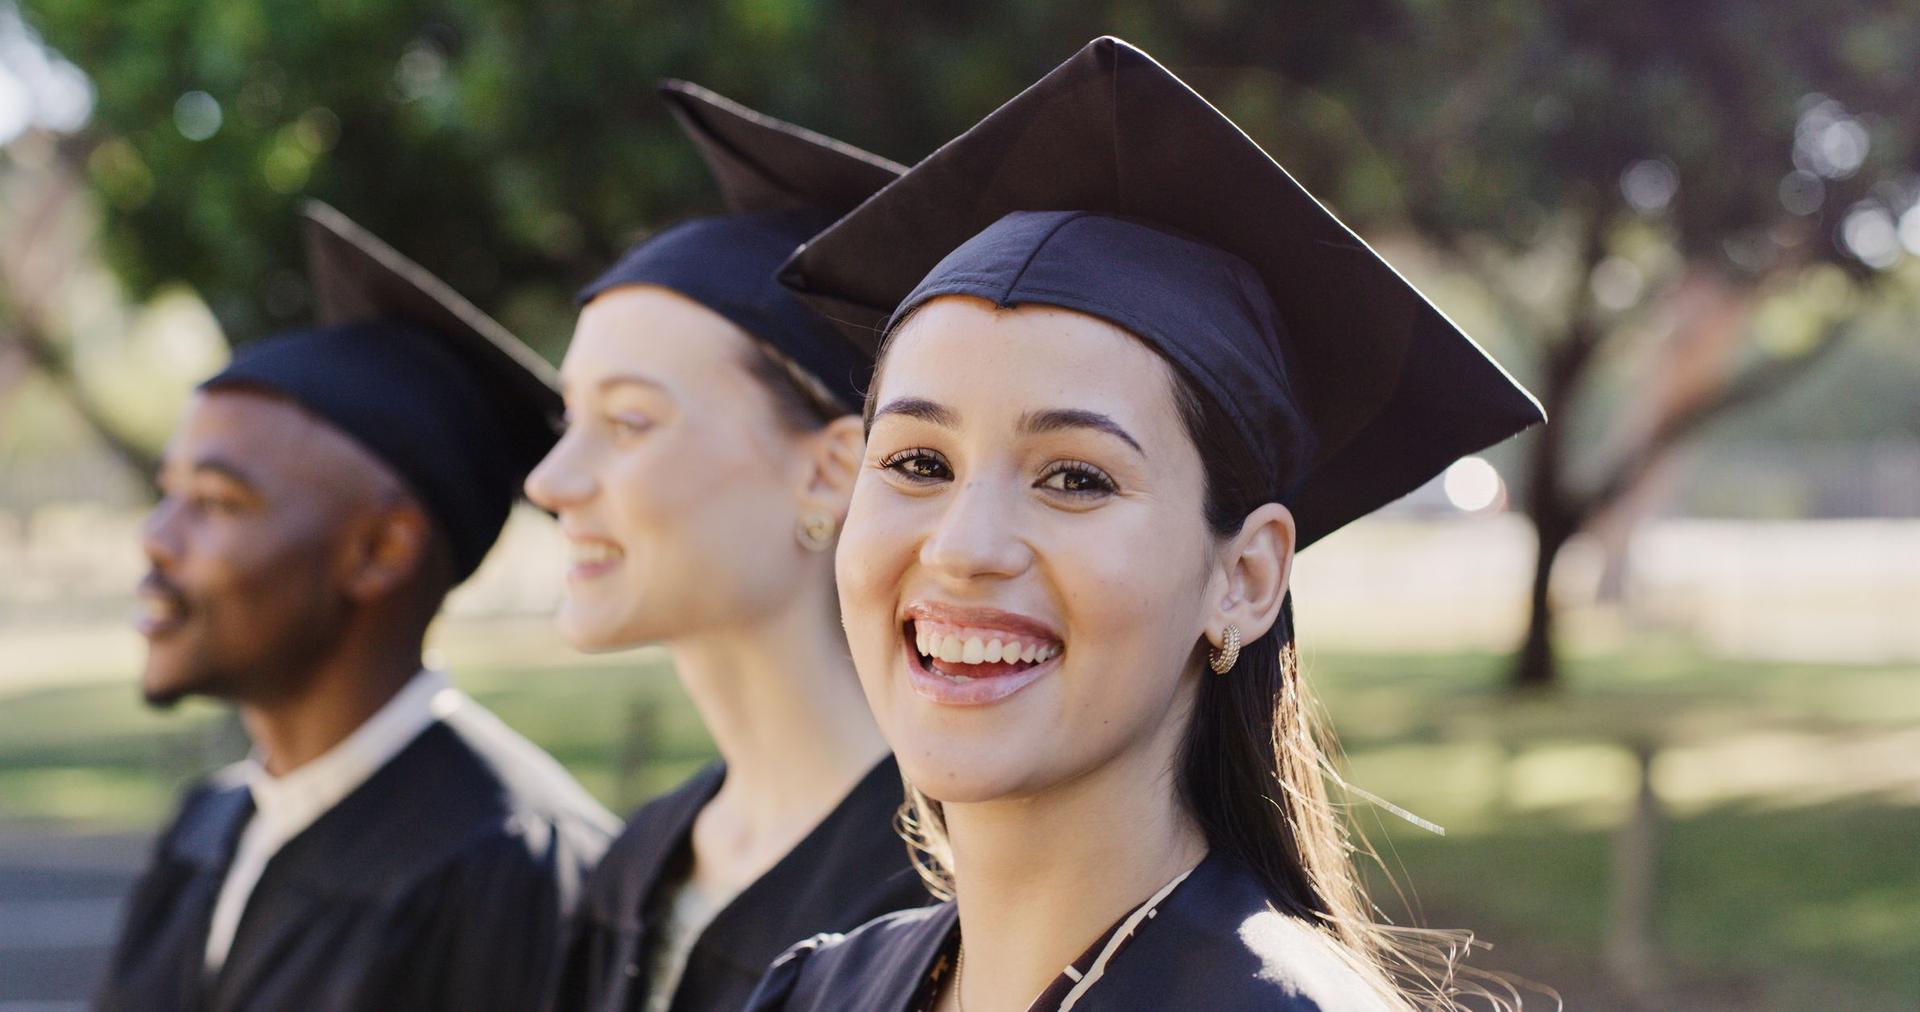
(814, 531)
(1223, 659)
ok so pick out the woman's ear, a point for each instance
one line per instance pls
(1254, 569)
(833, 462)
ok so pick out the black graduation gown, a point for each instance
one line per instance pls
(439, 883)
(1215, 942)
(851, 868)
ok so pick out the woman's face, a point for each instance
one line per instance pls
(1024, 567)
(676, 485)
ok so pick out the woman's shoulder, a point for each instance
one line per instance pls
(1220, 942)
(876, 967)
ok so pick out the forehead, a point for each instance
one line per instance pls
(958, 350)
(273, 440)
(656, 331)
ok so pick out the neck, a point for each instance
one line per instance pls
(1032, 898)
(785, 710)
(330, 702)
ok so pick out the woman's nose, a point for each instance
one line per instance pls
(976, 536)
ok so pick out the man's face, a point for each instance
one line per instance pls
(244, 594)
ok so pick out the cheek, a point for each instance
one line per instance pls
(705, 518)
(1134, 610)
(682, 500)
(876, 548)
(260, 582)
(648, 487)
(1123, 575)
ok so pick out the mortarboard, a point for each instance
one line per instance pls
(1111, 188)
(781, 184)
(399, 362)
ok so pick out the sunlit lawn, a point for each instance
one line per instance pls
(1789, 870)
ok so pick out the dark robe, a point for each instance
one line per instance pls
(1215, 942)
(439, 883)
(851, 868)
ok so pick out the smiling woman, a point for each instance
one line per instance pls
(710, 449)
(1098, 434)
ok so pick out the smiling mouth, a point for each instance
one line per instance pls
(158, 610)
(967, 654)
(590, 557)
(975, 663)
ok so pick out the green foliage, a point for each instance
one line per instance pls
(516, 148)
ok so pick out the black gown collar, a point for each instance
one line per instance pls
(306, 874)
(782, 905)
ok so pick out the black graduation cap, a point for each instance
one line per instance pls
(781, 184)
(1111, 188)
(402, 364)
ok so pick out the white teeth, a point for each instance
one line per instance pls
(951, 648)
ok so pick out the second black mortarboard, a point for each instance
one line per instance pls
(781, 184)
(1111, 188)
(399, 362)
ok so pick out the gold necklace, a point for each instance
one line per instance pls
(959, 964)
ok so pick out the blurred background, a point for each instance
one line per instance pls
(1655, 669)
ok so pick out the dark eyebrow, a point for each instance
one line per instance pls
(921, 408)
(1034, 423)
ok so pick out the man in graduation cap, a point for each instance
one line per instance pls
(389, 844)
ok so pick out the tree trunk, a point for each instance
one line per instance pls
(1548, 506)
(1632, 951)
(1536, 667)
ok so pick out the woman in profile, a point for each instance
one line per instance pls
(710, 449)
(1129, 369)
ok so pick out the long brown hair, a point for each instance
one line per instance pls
(1254, 769)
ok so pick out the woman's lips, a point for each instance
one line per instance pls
(975, 663)
(588, 558)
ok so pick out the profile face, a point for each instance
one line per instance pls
(1023, 566)
(675, 483)
(242, 589)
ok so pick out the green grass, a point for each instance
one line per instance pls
(1804, 896)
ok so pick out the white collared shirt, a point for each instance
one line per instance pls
(284, 806)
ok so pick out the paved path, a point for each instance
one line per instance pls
(60, 901)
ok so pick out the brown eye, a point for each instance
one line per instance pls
(1077, 479)
(918, 465)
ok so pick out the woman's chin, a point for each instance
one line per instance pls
(964, 779)
(591, 630)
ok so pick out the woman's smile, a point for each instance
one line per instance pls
(974, 657)
(589, 558)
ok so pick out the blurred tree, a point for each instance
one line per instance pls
(1643, 176)
(1627, 180)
